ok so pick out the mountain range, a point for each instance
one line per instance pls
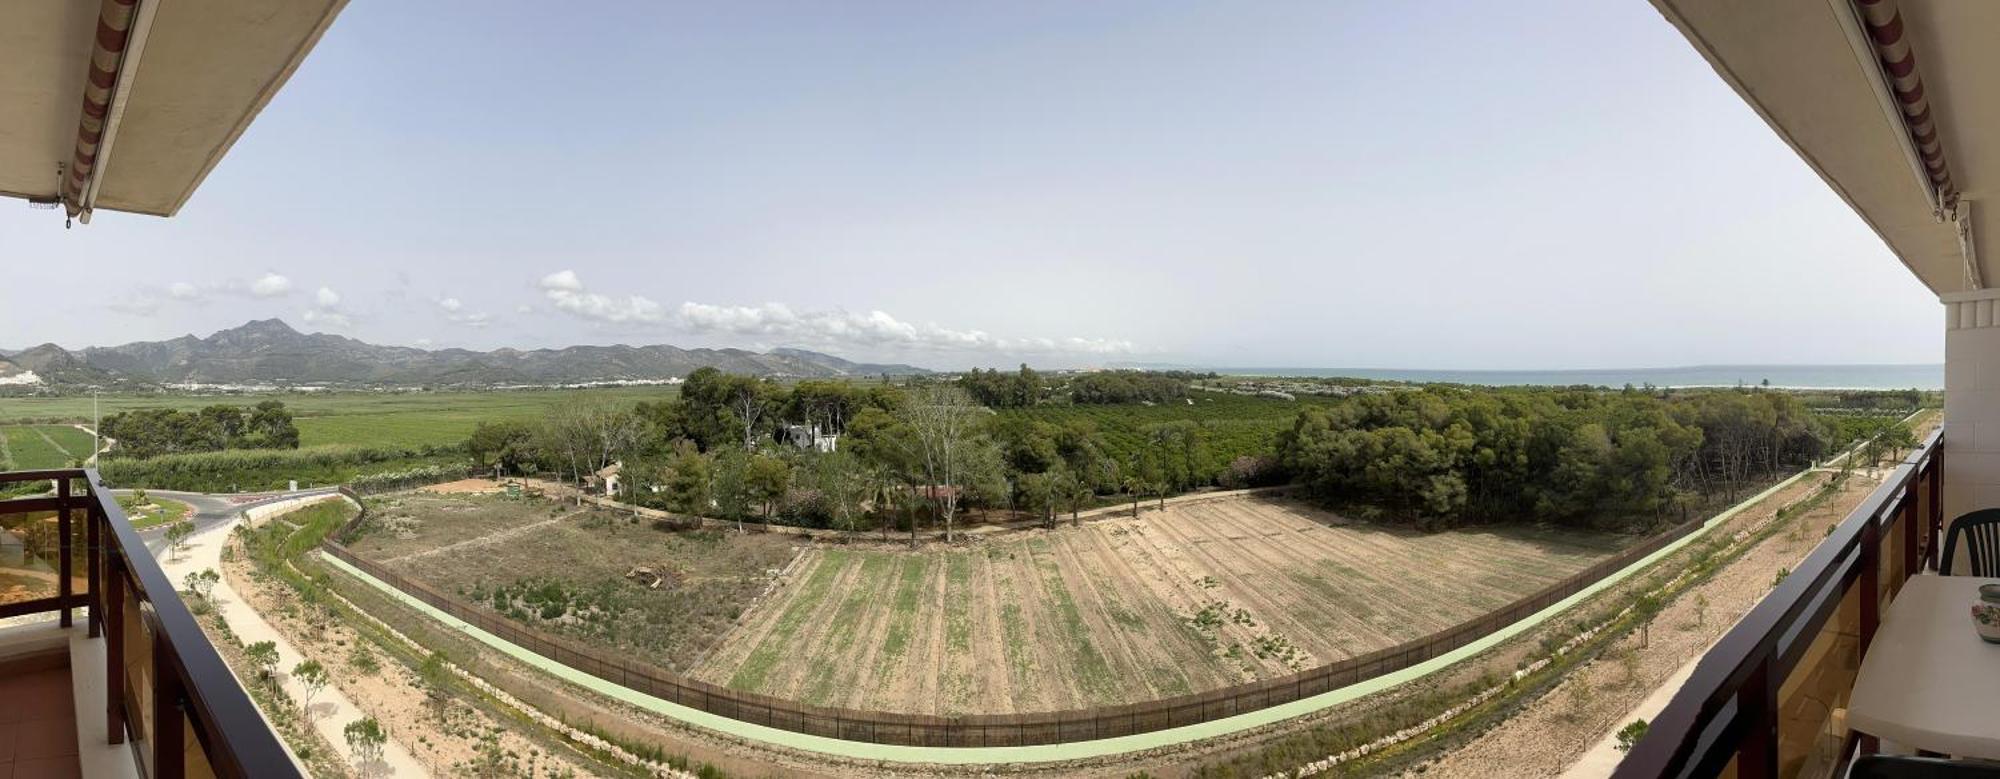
(268, 351)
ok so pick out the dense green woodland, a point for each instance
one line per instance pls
(1554, 455)
(1027, 387)
(156, 431)
(924, 452)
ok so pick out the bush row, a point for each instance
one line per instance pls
(243, 470)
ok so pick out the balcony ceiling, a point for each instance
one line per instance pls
(197, 74)
(1796, 64)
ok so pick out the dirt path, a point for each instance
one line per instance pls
(104, 444)
(333, 708)
(451, 737)
(1554, 732)
(486, 540)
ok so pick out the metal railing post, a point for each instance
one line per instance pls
(93, 519)
(65, 551)
(114, 648)
(1919, 509)
(1935, 522)
(169, 706)
(1757, 701)
(1870, 577)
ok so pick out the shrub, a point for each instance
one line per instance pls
(259, 469)
(312, 677)
(365, 739)
(1629, 735)
(363, 661)
(404, 479)
(263, 657)
(1251, 470)
(805, 507)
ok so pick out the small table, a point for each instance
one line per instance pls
(1928, 681)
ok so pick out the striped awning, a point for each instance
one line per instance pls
(1884, 23)
(114, 29)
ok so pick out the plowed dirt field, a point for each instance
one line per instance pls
(1187, 599)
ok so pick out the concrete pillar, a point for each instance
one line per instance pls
(1971, 402)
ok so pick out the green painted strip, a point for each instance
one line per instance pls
(1043, 753)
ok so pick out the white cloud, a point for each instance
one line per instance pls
(872, 329)
(563, 280)
(326, 318)
(454, 312)
(325, 311)
(524, 309)
(565, 291)
(779, 323)
(270, 285)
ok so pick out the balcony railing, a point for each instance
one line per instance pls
(1769, 699)
(167, 692)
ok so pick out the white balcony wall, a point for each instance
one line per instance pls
(1971, 402)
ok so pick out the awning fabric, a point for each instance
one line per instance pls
(1884, 21)
(114, 29)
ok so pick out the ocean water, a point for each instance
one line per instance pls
(1923, 377)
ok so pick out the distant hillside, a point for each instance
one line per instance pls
(271, 352)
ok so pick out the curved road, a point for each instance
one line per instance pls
(214, 509)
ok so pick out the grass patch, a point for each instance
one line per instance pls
(958, 622)
(165, 512)
(1019, 656)
(822, 677)
(909, 589)
(367, 418)
(31, 448)
(757, 667)
(1092, 672)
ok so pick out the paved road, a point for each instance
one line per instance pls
(215, 509)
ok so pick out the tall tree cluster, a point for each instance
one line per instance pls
(994, 389)
(1456, 454)
(156, 431)
(1026, 387)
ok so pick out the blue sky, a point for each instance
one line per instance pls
(1434, 185)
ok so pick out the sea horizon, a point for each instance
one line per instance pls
(1922, 376)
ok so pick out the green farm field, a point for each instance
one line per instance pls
(33, 447)
(1232, 424)
(402, 419)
